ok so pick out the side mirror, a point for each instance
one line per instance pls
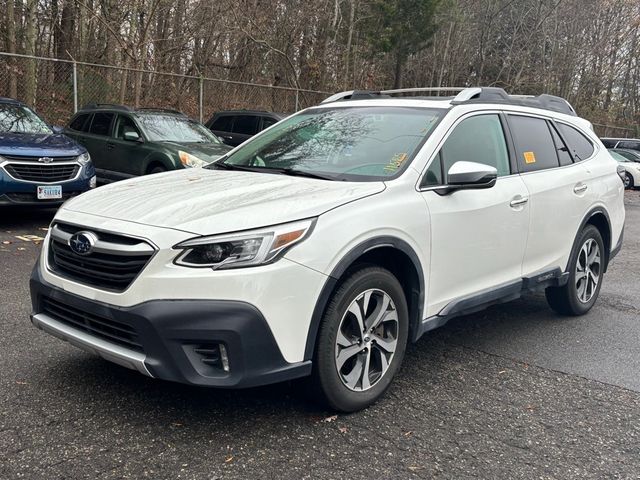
(469, 175)
(57, 129)
(131, 136)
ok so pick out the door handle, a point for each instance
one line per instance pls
(518, 201)
(581, 187)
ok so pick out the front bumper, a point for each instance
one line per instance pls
(23, 193)
(169, 331)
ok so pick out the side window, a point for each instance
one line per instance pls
(78, 123)
(608, 142)
(535, 149)
(246, 124)
(223, 124)
(477, 139)
(629, 144)
(101, 123)
(267, 122)
(561, 148)
(580, 145)
(125, 124)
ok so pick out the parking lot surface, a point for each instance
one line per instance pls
(511, 392)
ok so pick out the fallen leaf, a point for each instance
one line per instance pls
(228, 459)
(21, 383)
(6, 242)
(343, 429)
(413, 468)
(332, 418)
(501, 372)
(408, 434)
(21, 248)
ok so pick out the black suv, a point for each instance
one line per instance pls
(237, 126)
(125, 142)
(628, 143)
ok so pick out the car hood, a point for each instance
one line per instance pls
(38, 145)
(206, 202)
(204, 151)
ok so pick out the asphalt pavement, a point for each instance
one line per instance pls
(511, 392)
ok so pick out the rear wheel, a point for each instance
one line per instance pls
(362, 340)
(586, 269)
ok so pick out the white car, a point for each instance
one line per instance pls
(631, 170)
(326, 243)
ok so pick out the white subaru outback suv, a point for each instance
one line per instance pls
(325, 244)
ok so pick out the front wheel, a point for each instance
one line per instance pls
(628, 181)
(586, 269)
(362, 340)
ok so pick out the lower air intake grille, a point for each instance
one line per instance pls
(104, 328)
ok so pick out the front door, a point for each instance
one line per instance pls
(478, 237)
(126, 156)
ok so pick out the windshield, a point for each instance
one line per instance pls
(20, 119)
(618, 157)
(172, 128)
(348, 143)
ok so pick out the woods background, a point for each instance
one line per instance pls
(584, 50)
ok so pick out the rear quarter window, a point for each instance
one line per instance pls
(578, 143)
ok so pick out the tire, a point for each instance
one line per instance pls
(157, 169)
(580, 294)
(341, 340)
(628, 181)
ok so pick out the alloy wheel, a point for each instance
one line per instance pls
(588, 269)
(366, 340)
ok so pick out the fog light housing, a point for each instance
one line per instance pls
(208, 359)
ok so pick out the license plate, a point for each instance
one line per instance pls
(49, 192)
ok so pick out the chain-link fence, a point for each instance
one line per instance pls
(57, 88)
(615, 131)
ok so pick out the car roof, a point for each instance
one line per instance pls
(249, 112)
(10, 101)
(109, 107)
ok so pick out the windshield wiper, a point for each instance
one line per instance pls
(277, 170)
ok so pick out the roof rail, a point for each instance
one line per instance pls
(115, 106)
(366, 94)
(468, 95)
(499, 95)
(12, 101)
(161, 110)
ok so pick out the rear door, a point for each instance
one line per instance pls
(96, 137)
(557, 192)
(478, 236)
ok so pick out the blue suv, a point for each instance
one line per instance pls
(38, 164)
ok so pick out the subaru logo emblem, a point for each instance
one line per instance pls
(82, 243)
(45, 159)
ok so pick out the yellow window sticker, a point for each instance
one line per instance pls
(529, 157)
(396, 162)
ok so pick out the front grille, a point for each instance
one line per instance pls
(104, 328)
(22, 158)
(42, 173)
(113, 265)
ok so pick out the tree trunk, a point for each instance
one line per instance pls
(11, 48)
(30, 49)
(397, 76)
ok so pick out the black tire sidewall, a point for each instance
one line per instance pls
(337, 395)
(576, 305)
(628, 175)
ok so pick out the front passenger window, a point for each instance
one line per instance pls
(477, 139)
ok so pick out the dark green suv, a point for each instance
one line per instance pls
(125, 142)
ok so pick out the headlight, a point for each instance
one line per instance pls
(243, 249)
(84, 159)
(189, 160)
